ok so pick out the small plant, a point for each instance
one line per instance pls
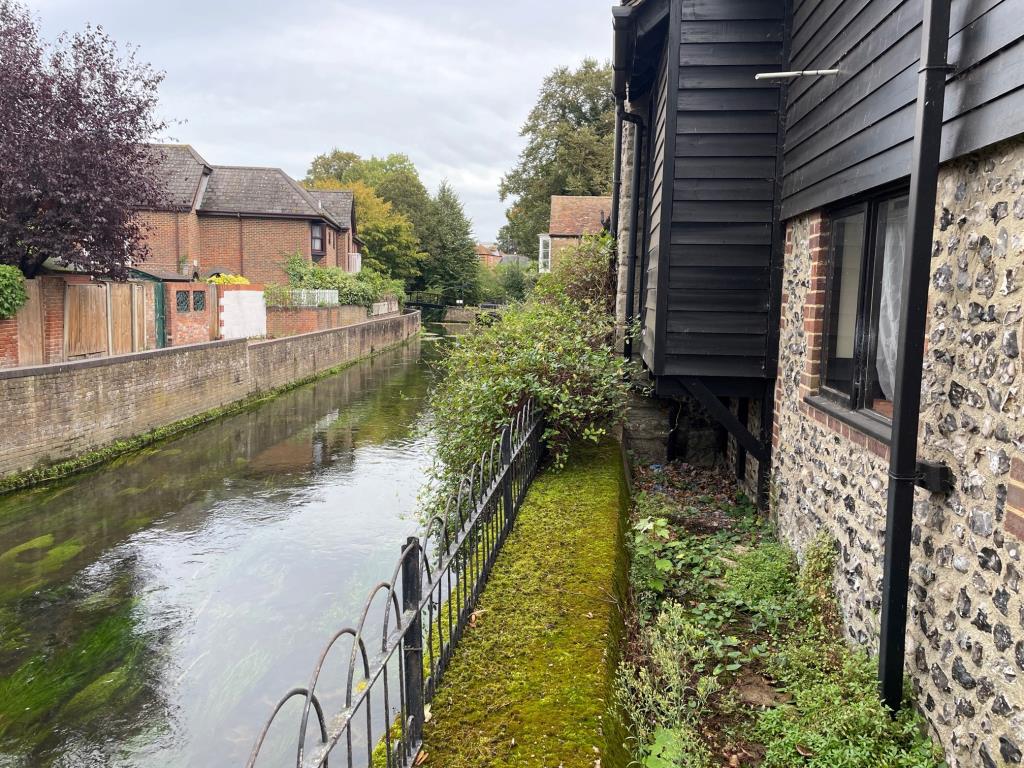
(277, 295)
(12, 291)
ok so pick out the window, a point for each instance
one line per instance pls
(199, 301)
(317, 239)
(181, 300)
(862, 315)
(544, 258)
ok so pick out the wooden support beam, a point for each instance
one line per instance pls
(725, 417)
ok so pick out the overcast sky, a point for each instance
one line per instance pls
(449, 82)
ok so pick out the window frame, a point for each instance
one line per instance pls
(865, 343)
(544, 254)
(313, 227)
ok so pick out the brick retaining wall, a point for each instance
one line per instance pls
(57, 412)
(290, 321)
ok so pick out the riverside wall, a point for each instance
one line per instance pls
(55, 413)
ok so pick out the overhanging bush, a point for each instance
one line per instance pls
(12, 291)
(362, 288)
(556, 351)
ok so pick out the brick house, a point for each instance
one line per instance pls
(763, 260)
(489, 255)
(243, 220)
(572, 217)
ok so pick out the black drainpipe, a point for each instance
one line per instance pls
(617, 174)
(634, 225)
(913, 320)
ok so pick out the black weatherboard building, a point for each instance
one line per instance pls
(821, 239)
(707, 247)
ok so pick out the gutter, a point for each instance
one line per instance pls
(903, 464)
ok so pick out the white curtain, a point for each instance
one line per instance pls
(891, 297)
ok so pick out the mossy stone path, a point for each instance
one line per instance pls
(531, 683)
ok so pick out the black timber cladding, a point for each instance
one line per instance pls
(853, 132)
(658, 127)
(708, 302)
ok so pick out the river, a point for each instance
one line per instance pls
(154, 610)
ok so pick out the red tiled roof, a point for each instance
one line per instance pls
(575, 216)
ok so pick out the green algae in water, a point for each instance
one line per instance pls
(110, 651)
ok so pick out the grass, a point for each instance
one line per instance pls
(736, 656)
(530, 686)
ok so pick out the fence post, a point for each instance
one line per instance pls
(412, 642)
(506, 491)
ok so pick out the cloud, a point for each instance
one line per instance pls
(270, 83)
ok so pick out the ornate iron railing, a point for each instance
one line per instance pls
(426, 607)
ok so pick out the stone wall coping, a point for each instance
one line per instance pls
(370, 321)
(51, 369)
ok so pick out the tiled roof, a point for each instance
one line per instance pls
(237, 189)
(338, 203)
(179, 170)
(575, 216)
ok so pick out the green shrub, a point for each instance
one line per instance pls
(556, 352)
(228, 280)
(275, 295)
(362, 288)
(12, 291)
(584, 275)
(558, 356)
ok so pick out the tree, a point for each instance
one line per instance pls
(394, 178)
(453, 267)
(570, 136)
(390, 247)
(74, 169)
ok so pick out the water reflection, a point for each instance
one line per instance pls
(153, 611)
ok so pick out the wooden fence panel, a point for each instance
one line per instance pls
(86, 320)
(121, 330)
(30, 327)
(139, 317)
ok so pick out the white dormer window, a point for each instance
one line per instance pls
(544, 258)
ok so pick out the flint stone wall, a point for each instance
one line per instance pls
(965, 649)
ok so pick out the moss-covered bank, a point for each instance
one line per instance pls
(531, 685)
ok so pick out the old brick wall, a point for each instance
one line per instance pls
(172, 239)
(965, 649)
(69, 409)
(291, 321)
(8, 342)
(279, 361)
(193, 324)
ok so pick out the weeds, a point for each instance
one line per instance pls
(737, 657)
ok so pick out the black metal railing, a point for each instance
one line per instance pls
(392, 670)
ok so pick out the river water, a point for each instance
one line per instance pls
(153, 611)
